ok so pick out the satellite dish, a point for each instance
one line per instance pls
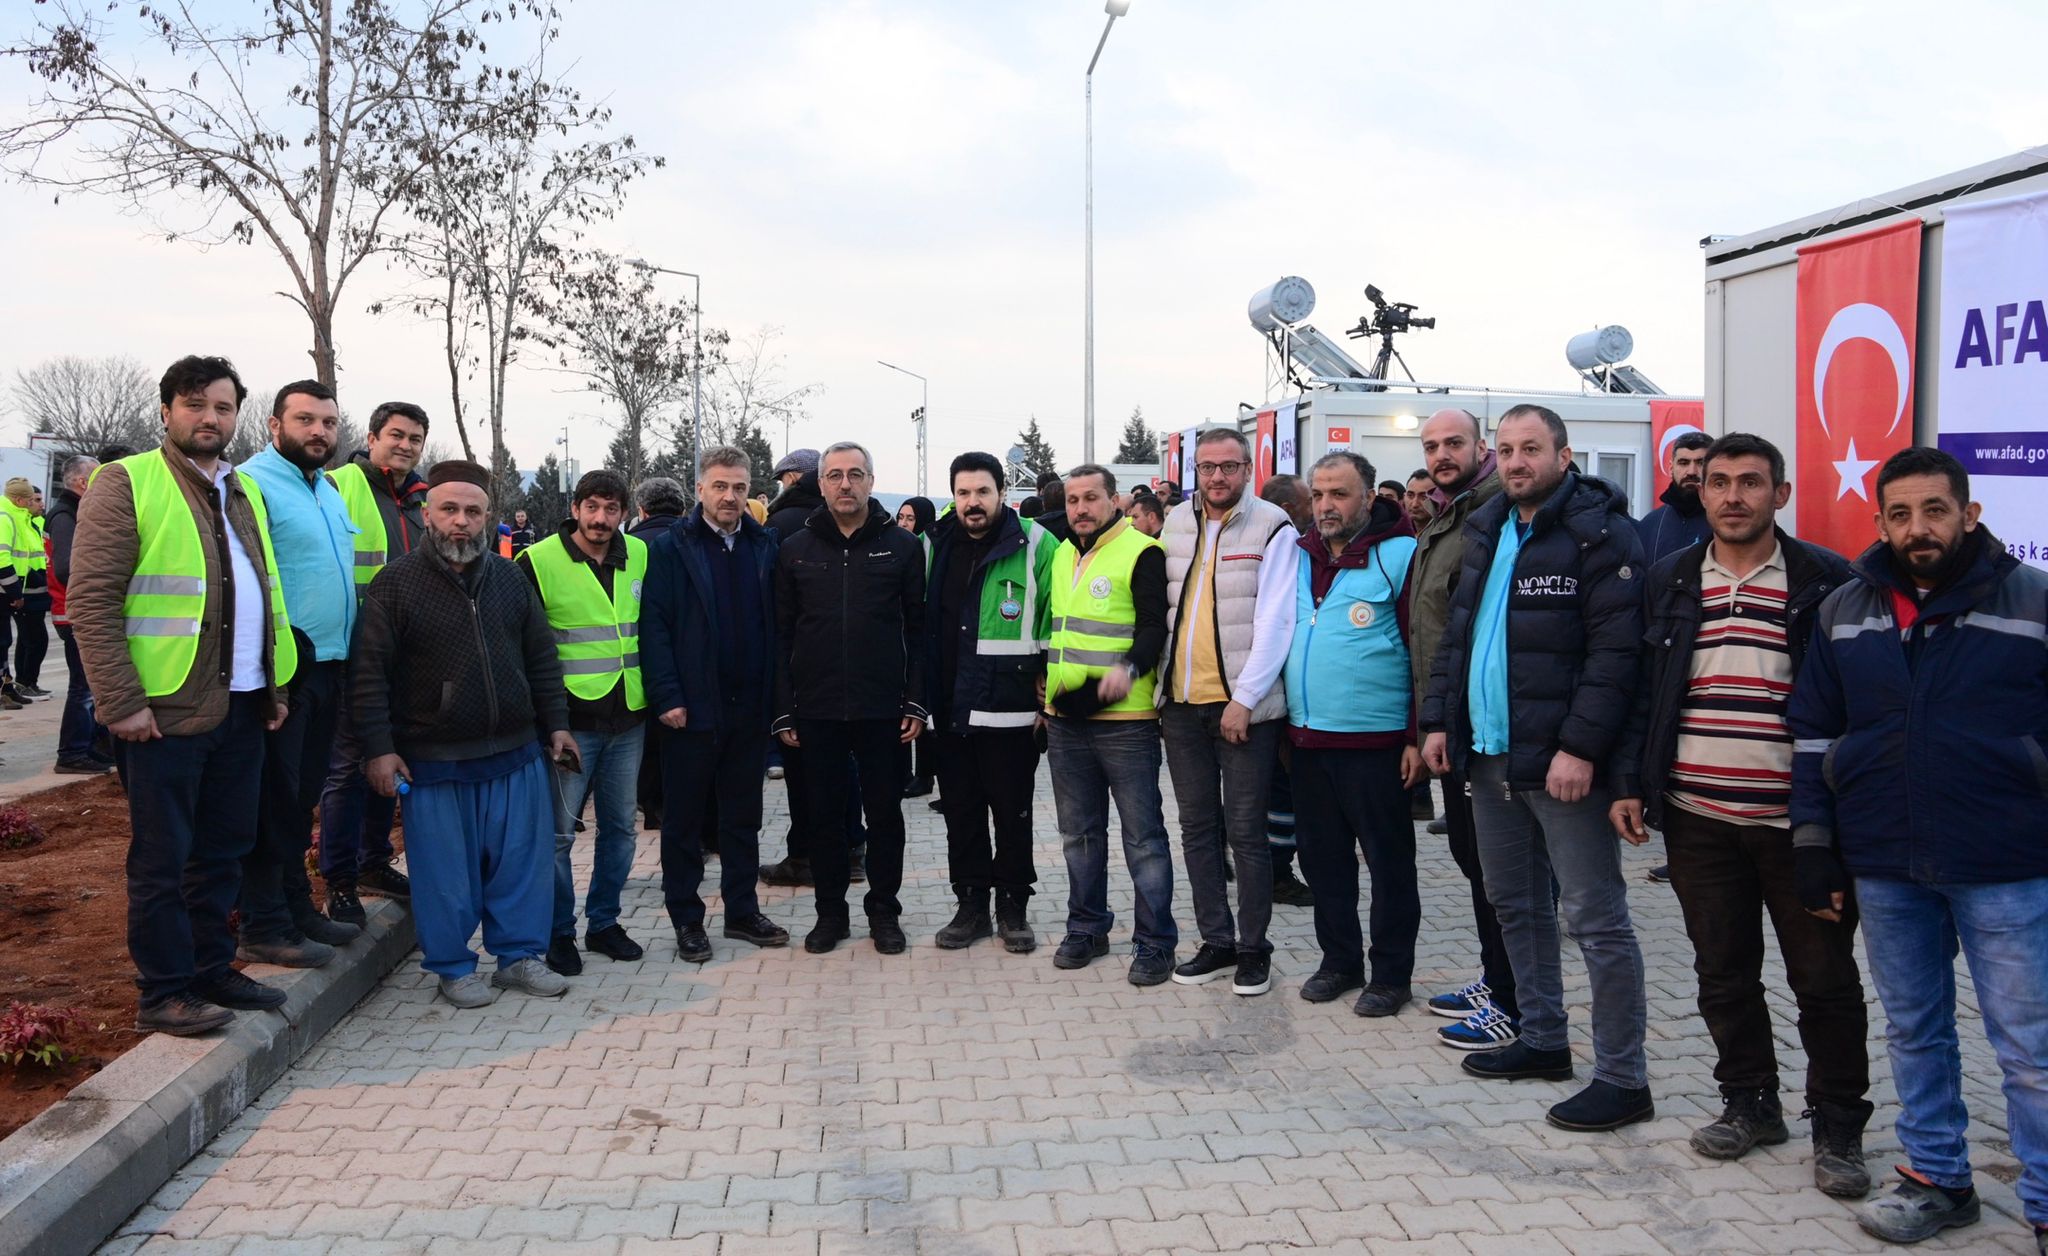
(1286, 300)
(1603, 346)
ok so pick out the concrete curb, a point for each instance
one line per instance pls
(69, 1178)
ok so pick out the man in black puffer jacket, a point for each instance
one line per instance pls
(797, 502)
(1530, 687)
(849, 600)
(455, 682)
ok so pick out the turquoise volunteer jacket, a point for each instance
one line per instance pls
(315, 544)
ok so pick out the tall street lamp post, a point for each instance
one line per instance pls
(1115, 9)
(696, 353)
(923, 408)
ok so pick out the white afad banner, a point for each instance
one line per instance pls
(1994, 363)
(1285, 459)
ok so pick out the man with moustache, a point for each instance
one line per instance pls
(1708, 759)
(849, 604)
(988, 620)
(1917, 783)
(315, 546)
(590, 577)
(180, 620)
(1108, 628)
(1464, 477)
(710, 678)
(1350, 715)
(1421, 506)
(1682, 520)
(384, 498)
(455, 683)
(1556, 553)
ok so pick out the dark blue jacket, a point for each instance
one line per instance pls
(1575, 623)
(1680, 522)
(1920, 755)
(679, 626)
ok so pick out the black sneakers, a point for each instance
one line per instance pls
(1078, 950)
(563, 956)
(756, 930)
(791, 871)
(232, 989)
(1518, 1061)
(612, 943)
(344, 906)
(1209, 964)
(1602, 1106)
(1254, 974)
(383, 880)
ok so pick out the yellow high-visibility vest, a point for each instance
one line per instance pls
(598, 639)
(372, 548)
(1095, 618)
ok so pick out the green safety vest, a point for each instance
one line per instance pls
(167, 592)
(598, 640)
(24, 548)
(363, 511)
(1094, 618)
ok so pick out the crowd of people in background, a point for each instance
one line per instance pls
(1819, 740)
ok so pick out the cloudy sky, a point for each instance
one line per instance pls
(902, 179)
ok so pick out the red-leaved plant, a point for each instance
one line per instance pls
(31, 1033)
(18, 829)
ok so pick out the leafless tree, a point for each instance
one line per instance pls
(88, 403)
(295, 122)
(747, 390)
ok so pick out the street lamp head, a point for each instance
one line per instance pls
(1117, 8)
(640, 263)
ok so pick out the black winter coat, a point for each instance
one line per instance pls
(445, 669)
(1575, 620)
(1641, 766)
(680, 628)
(788, 512)
(847, 610)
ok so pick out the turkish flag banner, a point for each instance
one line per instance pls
(1262, 449)
(1670, 420)
(1858, 318)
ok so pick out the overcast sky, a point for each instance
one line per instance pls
(903, 180)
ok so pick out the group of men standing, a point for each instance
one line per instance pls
(1804, 731)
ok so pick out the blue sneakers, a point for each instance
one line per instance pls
(1483, 1030)
(1460, 1003)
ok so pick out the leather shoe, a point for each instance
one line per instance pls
(232, 989)
(756, 929)
(1519, 1060)
(1326, 986)
(692, 946)
(182, 1016)
(612, 942)
(1378, 1000)
(887, 936)
(825, 935)
(563, 956)
(1603, 1106)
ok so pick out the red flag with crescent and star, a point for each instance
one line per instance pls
(1858, 316)
(1262, 449)
(1670, 420)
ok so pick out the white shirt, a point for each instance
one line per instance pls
(245, 670)
(1272, 614)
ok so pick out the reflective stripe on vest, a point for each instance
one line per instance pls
(25, 546)
(597, 640)
(166, 595)
(1094, 617)
(371, 544)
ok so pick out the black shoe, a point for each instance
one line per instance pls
(1838, 1167)
(1439, 826)
(857, 866)
(1012, 926)
(1519, 1060)
(1078, 950)
(650, 820)
(182, 1016)
(936, 805)
(612, 942)
(33, 691)
(1326, 986)
(1289, 890)
(968, 925)
(81, 767)
(1209, 964)
(1661, 874)
(1150, 965)
(1254, 974)
(232, 989)
(563, 956)
(1749, 1118)
(1378, 1000)
(888, 937)
(917, 787)
(692, 947)
(294, 952)
(790, 871)
(321, 929)
(1603, 1106)
(1421, 807)
(383, 880)
(11, 701)
(825, 935)
(757, 930)
(344, 906)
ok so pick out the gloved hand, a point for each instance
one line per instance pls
(1822, 882)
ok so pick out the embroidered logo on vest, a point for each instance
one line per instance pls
(1361, 614)
(1099, 586)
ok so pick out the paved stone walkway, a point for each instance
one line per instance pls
(982, 1103)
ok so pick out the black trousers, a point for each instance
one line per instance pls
(1494, 968)
(276, 894)
(707, 774)
(1345, 800)
(1727, 876)
(31, 637)
(798, 844)
(984, 773)
(833, 752)
(192, 803)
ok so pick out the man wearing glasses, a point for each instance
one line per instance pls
(1230, 572)
(849, 599)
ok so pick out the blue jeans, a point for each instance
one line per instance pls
(611, 770)
(478, 854)
(1911, 932)
(1093, 761)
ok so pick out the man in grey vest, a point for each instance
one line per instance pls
(1230, 570)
